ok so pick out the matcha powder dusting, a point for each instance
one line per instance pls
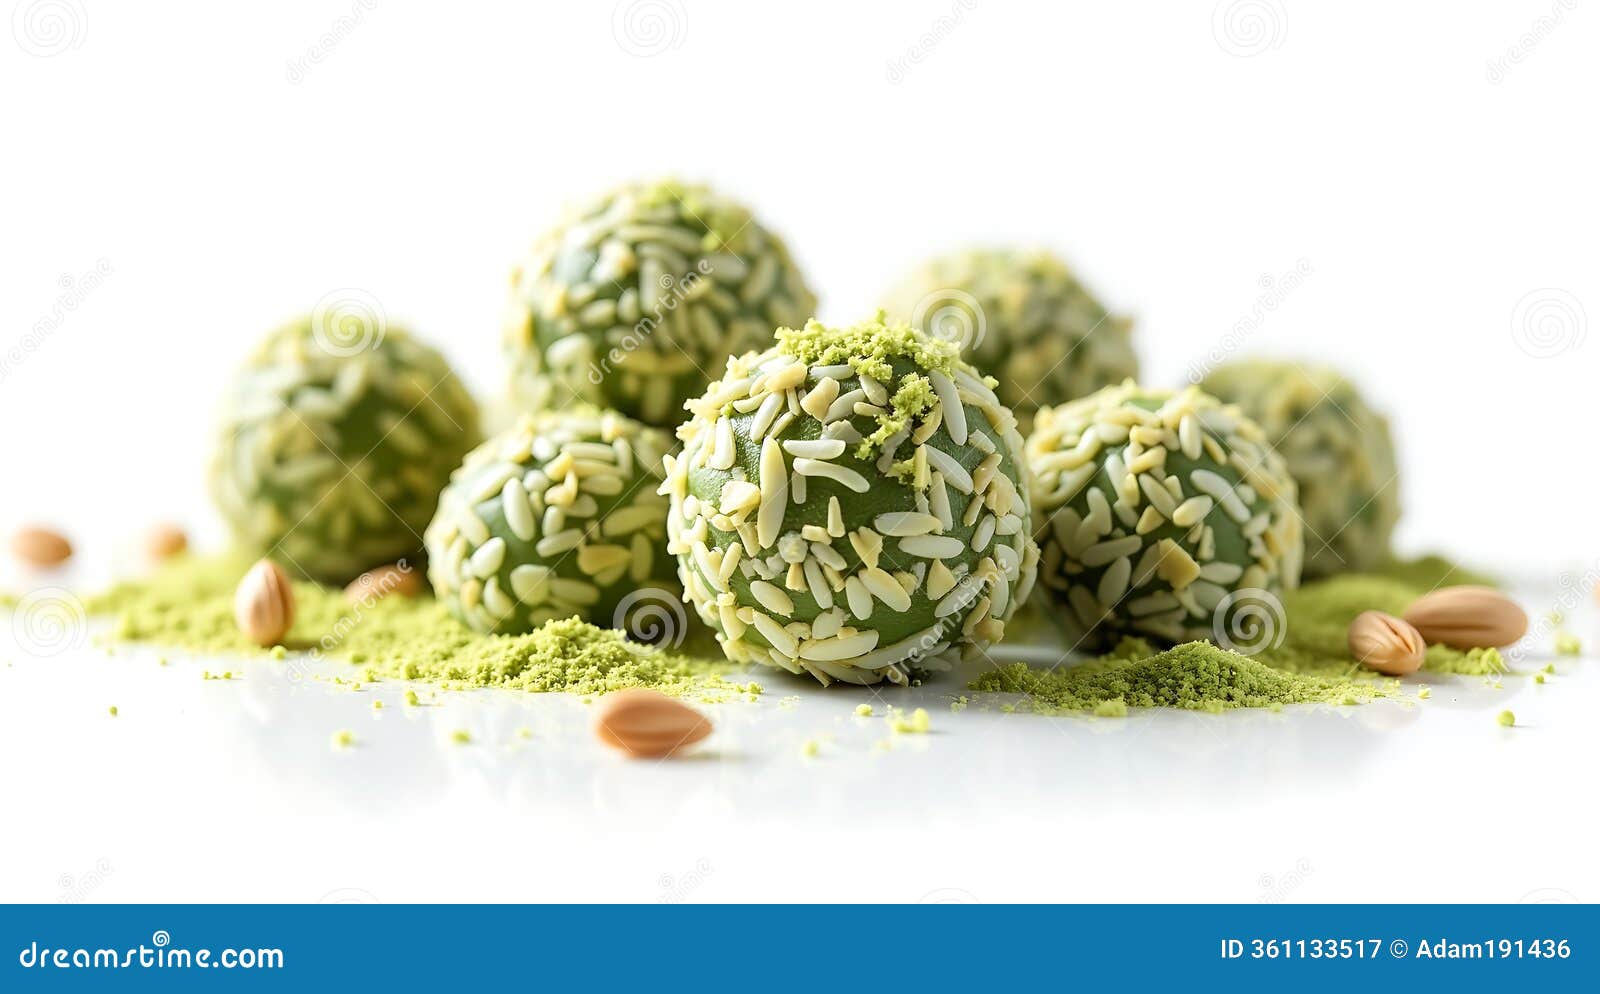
(1194, 676)
(1312, 665)
(188, 605)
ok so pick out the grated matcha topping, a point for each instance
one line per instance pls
(912, 401)
(189, 605)
(869, 347)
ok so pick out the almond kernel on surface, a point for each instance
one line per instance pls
(164, 541)
(38, 546)
(263, 604)
(1385, 643)
(1468, 617)
(648, 724)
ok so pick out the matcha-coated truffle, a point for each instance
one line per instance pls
(331, 453)
(556, 517)
(640, 296)
(1339, 452)
(1161, 514)
(849, 504)
(1023, 317)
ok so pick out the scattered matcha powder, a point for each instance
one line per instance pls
(461, 737)
(1506, 719)
(1567, 644)
(915, 724)
(113, 710)
(343, 738)
(189, 604)
(1312, 665)
(864, 710)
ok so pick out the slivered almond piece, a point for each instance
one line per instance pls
(1468, 618)
(648, 724)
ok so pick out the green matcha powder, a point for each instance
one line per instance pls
(188, 605)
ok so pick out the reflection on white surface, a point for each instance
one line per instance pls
(233, 790)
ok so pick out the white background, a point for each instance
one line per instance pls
(1430, 166)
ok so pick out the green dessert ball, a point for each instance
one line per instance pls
(1163, 515)
(332, 450)
(556, 517)
(850, 504)
(1024, 317)
(639, 297)
(1339, 452)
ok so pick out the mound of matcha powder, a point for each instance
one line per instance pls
(1195, 676)
(1311, 665)
(189, 605)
